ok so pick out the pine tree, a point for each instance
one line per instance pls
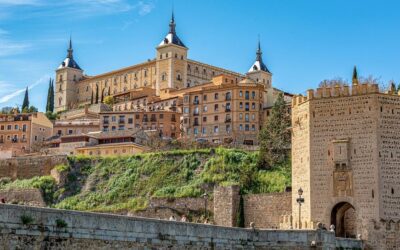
(97, 94)
(275, 135)
(25, 103)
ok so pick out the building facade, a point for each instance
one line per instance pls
(345, 158)
(224, 111)
(19, 133)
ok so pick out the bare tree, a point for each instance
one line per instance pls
(330, 83)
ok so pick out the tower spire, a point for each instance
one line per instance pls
(70, 50)
(172, 23)
(259, 52)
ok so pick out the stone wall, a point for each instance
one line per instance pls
(226, 205)
(163, 208)
(79, 230)
(29, 196)
(267, 210)
(28, 167)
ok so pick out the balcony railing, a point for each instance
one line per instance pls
(196, 124)
(228, 110)
(196, 102)
(106, 122)
(145, 120)
(228, 120)
(195, 113)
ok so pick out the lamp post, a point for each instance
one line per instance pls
(300, 200)
(205, 196)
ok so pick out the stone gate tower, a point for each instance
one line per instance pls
(346, 158)
(67, 75)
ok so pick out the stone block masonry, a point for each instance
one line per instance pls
(82, 230)
(29, 167)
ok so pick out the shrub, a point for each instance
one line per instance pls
(61, 168)
(26, 219)
(60, 223)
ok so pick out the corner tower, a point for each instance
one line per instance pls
(171, 61)
(259, 71)
(67, 74)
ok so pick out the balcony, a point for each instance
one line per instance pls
(145, 120)
(228, 110)
(196, 124)
(228, 98)
(195, 113)
(106, 122)
(196, 102)
(153, 119)
(121, 121)
(228, 120)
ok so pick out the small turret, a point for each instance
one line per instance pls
(172, 37)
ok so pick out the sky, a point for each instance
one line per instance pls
(303, 41)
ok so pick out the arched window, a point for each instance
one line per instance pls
(59, 101)
(145, 73)
(164, 76)
(61, 77)
(178, 77)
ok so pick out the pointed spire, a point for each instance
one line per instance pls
(259, 64)
(70, 50)
(355, 75)
(172, 24)
(259, 52)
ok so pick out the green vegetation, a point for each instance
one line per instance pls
(26, 219)
(60, 223)
(121, 184)
(61, 168)
(46, 184)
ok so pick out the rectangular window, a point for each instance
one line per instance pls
(205, 108)
(216, 107)
(216, 129)
(195, 131)
(113, 118)
(186, 110)
(246, 107)
(204, 118)
(246, 117)
(216, 96)
(2, 127)
(241, 105)
(161, 116)
(16, 127)
(204, 131)
(216, 118)
(130, 120)
(204, 97)
(246, 127)
(240, 127)
(253, 105)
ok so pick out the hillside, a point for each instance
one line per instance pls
(116, 184)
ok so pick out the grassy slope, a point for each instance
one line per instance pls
(126, 183)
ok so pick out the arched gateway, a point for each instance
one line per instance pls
(343, 216)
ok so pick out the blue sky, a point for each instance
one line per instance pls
(303, 41)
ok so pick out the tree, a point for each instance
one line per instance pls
(92, 99)
(51, 108)
(97, 94)
(49, 97)
(330, 83)
(275, 135)
(102, 95)
(32, 109)
(25, 103)
(109, 100)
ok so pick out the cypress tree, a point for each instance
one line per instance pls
(25, 103)
(355, 76)
(48, 97)
(52, 96)
(91, 99)
(102, 95)
(97, 94)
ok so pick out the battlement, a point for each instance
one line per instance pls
(340, 91)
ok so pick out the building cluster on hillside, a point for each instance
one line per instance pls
(170, 96)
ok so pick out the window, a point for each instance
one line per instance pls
(253, 105)
(130, 120)
(216, 96)
(228, 107)
(196, 100)
(246, 96)
(178, 77)
(253, 117)
(253, 94)
(205, 108)
(70, 131)
(228, 128)
(204, 97)
(240, 126)
(240, 93)
(216, 107)
(16, 127)
(186, 110)
(216, 118)
(253, 127)
(204, 130)
(228, 96)
(195, 131)
(240, 116)
(9, 127)
(161, 116)
(24, 128)
(186, 98)
(247, 106)
(204, 118)
(246, 117)
(2, 127)
(246, 127)
(137, 116)
(216, 129)
(113, 128)
(241, 105)
(121, 127)
(113, 118)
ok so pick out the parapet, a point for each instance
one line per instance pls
(337, 91)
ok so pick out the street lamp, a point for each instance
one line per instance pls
(205, 197)
(300, 200)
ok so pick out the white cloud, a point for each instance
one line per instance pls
(19, 2)
(8, 47)
(144, 8)
(16, 93)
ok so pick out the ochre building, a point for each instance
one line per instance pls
(23, 133)
(346, 156)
